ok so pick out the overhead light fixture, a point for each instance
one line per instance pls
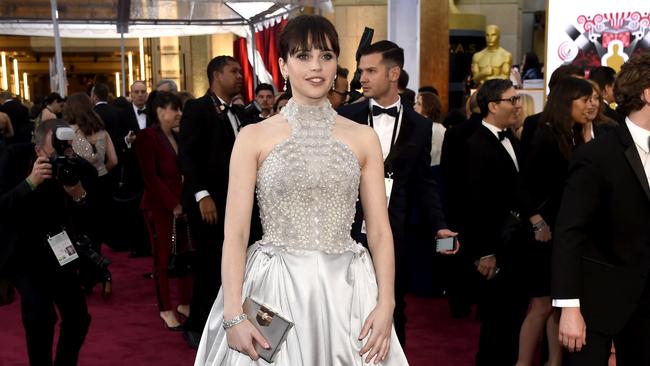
(142, 75)
(118, 88)
(130, 68)
(16, 78)
(25, 87)
(5, 78)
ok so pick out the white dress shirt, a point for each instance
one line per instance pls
(384, 125)
(234, 122)
(505, 142)
(437, 137)
(142, 117)
(641, 138)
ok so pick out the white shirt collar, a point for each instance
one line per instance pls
(136, 109)
(396, 104)
(101, 102)
(223, 102)
(494, 129)
(639, 135)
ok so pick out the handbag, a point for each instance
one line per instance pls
(182, 255)
(273, 326)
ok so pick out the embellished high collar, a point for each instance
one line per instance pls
(299, 115)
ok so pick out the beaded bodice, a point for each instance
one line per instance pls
(308, 185)
(94, 154)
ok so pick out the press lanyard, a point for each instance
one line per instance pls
(398, 119)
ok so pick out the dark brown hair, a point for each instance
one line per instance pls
(161, 99)
(431, 106)
(633, 79)
(305, 32)
(601, 118)
(78, 110)
(557, 112)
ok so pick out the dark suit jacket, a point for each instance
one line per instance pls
(206, 140)
(528, 132)
(27, 217)
(160, 171)
(491, 181)
(410, 162)
(128, 169)
(19, 115)
(618, 117)
(452, 160)
(601, 253)
(110, 116)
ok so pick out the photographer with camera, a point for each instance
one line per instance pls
(46, 198)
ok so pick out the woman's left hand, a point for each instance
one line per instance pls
(380, 322)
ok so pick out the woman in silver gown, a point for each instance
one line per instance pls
(307, 166)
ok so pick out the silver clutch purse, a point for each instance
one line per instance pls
(273, 326)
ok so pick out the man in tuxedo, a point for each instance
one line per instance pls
(108, 113)
(34, 207)
(461, 269)
(491, 174)
(19, 116)
(601, 253)
(129, 187)
(405, 139)
(605, 77)
(208, 130)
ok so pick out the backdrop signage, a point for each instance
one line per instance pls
(604, 33)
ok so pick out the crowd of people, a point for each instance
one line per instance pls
(548, 212)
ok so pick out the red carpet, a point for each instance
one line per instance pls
(126, 330)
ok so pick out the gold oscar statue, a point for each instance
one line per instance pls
(492, 62)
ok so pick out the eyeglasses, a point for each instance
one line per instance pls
(513, 100)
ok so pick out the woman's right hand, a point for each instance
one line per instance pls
(242, 338)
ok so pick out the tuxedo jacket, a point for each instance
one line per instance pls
(491, 181)
(110, 116)
(452, 160)
(409, 162)
(162, 177)
(601, 250)
(206, 140)
(618, 117)
(128, 169)
(19, 116)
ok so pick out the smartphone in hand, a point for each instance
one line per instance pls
(445, 244)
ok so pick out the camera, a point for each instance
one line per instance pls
(66, 166)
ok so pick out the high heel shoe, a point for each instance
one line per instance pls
(176, 328)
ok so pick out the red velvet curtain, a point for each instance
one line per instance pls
(266, 42)
(240, 54)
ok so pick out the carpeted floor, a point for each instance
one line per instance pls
(126, 330)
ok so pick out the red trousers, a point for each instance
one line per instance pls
(159, 223)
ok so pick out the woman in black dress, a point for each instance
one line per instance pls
(564, 125)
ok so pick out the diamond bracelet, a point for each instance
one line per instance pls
(234, 321)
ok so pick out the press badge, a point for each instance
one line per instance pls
(62, 247)
(388, 184)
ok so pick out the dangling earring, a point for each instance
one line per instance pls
(286, 80)
(334, 82)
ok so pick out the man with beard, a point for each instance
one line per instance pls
(208, 130)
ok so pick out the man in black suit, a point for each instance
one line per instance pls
(34, 206)
(108, 113)
(605, 77)
(461, 279)
(601, 253)
(129, 184)
(19, 116)
(492, 171)
(405, 139)
(208, 130)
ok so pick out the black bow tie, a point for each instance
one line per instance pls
(504, 134)
(142, 111)
(377, 110)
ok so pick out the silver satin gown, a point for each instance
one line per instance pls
(306, 266)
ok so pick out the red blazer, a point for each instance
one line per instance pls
(162, 177)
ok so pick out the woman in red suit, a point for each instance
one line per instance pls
(157, 150)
